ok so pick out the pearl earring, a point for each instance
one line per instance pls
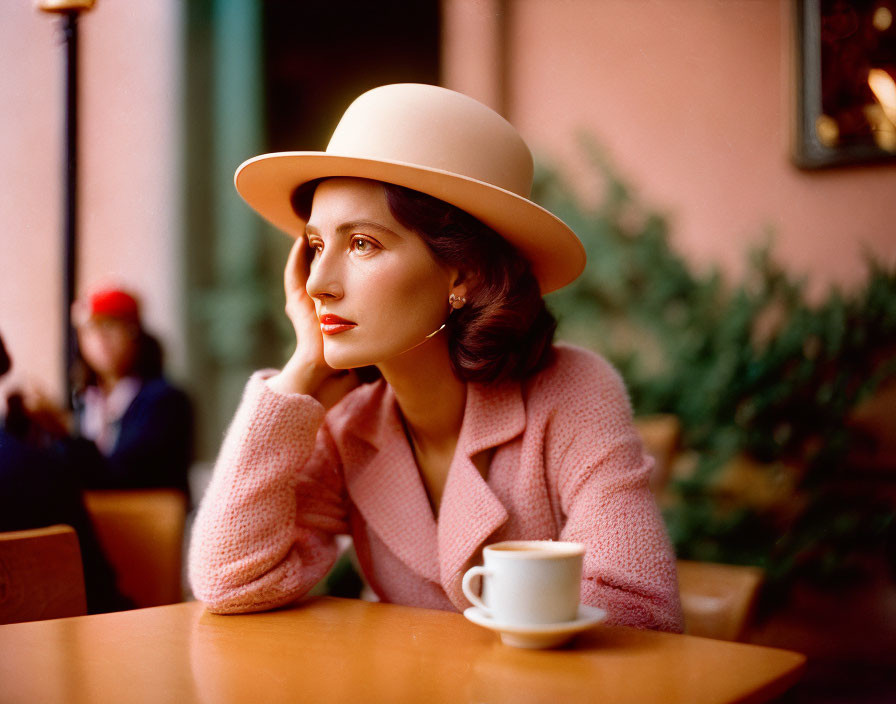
(456, 302)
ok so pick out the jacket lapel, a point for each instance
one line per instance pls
(470, 512)
(384, 484)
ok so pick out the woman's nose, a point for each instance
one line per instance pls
(323, 277)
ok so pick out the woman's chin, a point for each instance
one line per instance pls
(347, 354)
(338, 359)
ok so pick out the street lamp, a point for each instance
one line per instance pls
(69, 11)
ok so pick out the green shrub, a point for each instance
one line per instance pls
(750, 368)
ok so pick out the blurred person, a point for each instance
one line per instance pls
(39, 489)
(131, 427)
(419, 254)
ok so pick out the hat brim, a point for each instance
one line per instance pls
(556, 255)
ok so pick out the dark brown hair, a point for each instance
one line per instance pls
(505, 330)
(148, 362)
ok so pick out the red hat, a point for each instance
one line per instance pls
(110, 303)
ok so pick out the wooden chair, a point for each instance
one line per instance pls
(41, 575)
(660, 434)
(142, 532)
(718, 600)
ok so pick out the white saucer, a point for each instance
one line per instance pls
(548, 635)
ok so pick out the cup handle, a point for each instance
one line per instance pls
(470, 575)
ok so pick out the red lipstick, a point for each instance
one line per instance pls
(333, 325)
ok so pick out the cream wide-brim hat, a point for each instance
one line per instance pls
(436, 141)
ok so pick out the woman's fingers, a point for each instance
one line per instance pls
(299, 306)
(295, 276)
(296, 273)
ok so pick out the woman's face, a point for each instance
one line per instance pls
(377, 288)
(108, 345)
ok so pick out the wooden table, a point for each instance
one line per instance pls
(342, 650)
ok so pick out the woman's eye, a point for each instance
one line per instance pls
(362, 244)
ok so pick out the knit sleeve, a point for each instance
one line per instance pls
(265, 530)
(601, 473)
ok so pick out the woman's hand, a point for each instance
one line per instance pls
(43, 411)
(307, 372)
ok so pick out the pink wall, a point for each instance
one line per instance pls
(691, 99)
(130, 165)
(30, 219)
(472, 54)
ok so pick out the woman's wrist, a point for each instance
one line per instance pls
(298, 376)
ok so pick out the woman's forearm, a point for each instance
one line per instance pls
(250, 549)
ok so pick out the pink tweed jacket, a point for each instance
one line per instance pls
(567, 465)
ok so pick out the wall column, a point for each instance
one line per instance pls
(229, 298)
(474, 49)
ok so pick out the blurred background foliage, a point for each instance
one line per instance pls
(763, 382)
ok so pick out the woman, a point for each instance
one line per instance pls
(133, 428)
(419, 253)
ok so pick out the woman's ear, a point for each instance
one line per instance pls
(463, 282)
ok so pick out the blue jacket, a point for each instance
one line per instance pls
(154, 447)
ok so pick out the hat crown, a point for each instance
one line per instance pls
(435, 128)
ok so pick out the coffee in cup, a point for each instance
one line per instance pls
(528, 582)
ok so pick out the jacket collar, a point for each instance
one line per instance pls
(470, 511)
(494, 415)
(384, 482)
(382, 479)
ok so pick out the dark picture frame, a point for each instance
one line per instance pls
(845, 54)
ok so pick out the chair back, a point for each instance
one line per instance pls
(661, 434)
(141, 532)
(41, 575)
(718, 600)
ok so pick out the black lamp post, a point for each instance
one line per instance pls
(69, 11)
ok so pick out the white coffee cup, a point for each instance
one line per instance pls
(528, 582)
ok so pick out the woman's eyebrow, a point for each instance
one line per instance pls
(347, 227)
